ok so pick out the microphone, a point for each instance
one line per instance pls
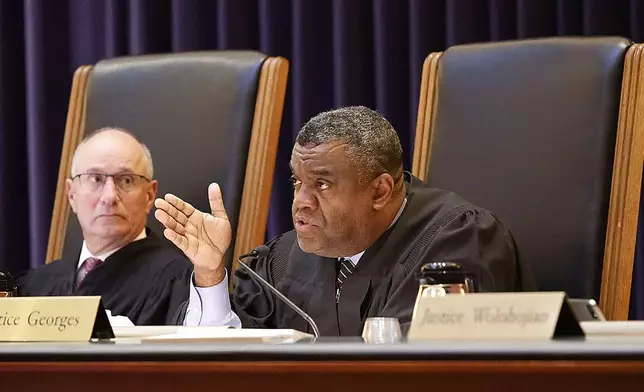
(261, 252)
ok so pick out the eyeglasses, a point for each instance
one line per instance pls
(93, 182)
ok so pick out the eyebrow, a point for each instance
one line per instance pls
(319, 172)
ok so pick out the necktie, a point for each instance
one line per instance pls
(346, 268)
(89, 264)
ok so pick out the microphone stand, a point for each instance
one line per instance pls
(281, 296)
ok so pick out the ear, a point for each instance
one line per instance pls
(382, 190)
(151, 194)
(71, 193)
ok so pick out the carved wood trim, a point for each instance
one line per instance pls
(74, 130)
(426, 102)
(623, 212)
(262, 153)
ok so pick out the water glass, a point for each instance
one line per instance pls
(379, 330)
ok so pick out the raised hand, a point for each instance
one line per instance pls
(203, 237)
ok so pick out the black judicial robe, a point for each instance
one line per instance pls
(146, 280)
(436, 225)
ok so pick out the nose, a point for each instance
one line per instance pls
(109, 194)
(303, 198)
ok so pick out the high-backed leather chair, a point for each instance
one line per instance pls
(548, 134)
(205, 116)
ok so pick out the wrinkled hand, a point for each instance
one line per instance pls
(203, 237)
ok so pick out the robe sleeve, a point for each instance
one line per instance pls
(177, 296)
(250, 300)
(477, 241)
(170, 291)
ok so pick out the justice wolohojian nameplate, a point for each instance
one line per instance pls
(496, 316)
(53, 319)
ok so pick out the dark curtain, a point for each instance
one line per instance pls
(342, 52)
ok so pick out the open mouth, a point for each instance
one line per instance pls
(303, 224)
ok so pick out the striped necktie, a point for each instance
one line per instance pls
(346, 268)
(88, 265)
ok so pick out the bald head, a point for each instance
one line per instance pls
(116, 145)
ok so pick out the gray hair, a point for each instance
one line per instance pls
(149, 167)
(373, 145)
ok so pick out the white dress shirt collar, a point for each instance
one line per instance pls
(85, 253)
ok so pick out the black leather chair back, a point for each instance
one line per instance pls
(527, 129)
(194, 111)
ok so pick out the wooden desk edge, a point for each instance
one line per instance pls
(324, 376)
(338, 367)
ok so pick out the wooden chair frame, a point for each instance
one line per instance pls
(260, 166)
(623, 212)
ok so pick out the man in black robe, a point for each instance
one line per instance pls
(137, 274)
(363, 229)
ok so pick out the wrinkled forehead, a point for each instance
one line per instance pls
(328, 156)
(110, 152)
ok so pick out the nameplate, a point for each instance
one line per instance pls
(498, 316)
(53, 319)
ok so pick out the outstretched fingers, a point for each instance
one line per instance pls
(180, 241)
(177, 208)
(169, 222)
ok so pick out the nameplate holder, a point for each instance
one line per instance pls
(53, 319)
(494, 316)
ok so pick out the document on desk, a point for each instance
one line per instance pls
(118, 321)
(613, 328)
(169, 333)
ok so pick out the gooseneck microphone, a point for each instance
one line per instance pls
(261, 252)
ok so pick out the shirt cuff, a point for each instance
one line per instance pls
(210, 305)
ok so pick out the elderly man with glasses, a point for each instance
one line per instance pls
(111, 191)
